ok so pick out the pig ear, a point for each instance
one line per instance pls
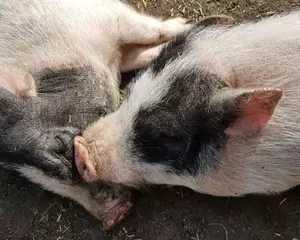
(10, 105)
(215, 19)
(17, 82)
(247, 111)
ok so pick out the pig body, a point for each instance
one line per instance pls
(67, 56)
(217, 111)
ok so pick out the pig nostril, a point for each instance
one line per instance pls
(84, 168)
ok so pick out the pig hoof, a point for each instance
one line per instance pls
(178, 20)
(175, 26)
(83, 162)
(177, 23)
(116, 214)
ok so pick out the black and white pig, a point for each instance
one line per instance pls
(61, 60)
(218, 111)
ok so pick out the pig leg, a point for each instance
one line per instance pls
(138, 28)
(140, 56)
(136, 57)
(146, 30)
(141, 29)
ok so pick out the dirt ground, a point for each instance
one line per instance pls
(28, 212)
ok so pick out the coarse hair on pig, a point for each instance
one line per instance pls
(217, 111)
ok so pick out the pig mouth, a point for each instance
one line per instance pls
(87, 169)
(115, 215)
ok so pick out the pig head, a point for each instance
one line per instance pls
(38, 131)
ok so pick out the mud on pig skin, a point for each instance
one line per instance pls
(62, 59)
(217, 111)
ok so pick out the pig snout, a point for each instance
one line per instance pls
(83, 160)
(93, 158)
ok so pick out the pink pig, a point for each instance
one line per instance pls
(218, 111)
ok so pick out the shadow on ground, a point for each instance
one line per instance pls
(28, 212)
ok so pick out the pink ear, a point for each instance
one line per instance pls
(216, 19)
(17, 82)
(83, 162)
(257, 109)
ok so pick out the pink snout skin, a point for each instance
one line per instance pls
(83, 162)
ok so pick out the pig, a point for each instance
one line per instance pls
(60, 63)
(217, 112)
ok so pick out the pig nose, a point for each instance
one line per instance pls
(83, 161)
(64, 142)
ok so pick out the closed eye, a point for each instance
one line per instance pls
(61, 144)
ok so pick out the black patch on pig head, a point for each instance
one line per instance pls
(180, 131)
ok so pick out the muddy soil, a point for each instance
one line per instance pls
(28, 212)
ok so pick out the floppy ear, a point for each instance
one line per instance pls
(17, 82)
(11, 108)
(215, 19)
(246, 111)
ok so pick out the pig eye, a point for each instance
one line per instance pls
(171, 141)
(174, 145)
(61, 144)
(164, 136)
(64, 143)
